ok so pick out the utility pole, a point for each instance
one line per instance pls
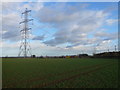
(24, 46)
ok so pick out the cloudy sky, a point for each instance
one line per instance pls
(61, 28)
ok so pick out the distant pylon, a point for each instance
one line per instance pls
(25, 48)
(115, 48)
(94, 50)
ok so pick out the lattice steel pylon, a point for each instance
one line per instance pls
(25, 48)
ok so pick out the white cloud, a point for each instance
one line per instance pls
(9, 45)
(73, 26)
(34, 6)
(111, 21)
(15, 0)
(10, 26)
(107, 36)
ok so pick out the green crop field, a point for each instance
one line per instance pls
(59, 73)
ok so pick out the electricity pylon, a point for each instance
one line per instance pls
(25, 48)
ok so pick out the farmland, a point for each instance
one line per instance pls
(59, 73)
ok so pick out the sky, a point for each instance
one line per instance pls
(61, 28)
